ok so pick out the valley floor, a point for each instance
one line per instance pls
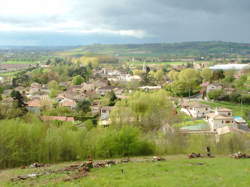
(176, 171)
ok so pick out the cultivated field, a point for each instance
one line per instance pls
(176, 171)
(20, 62)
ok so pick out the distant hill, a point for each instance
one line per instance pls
(193, 49)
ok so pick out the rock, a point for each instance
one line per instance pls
(156, 158)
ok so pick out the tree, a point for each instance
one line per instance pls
(109, 99)
(77, 80)
(215, 94)
(173, 75)
(158, 75)
(207, 74)
(53, 85)
(112, 98)
(17, 96)
(1, 90)
(218, 74)
(229, 76)
(83, 106)
(191, 78)
(149, 111)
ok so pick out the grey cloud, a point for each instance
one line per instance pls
(163, 20)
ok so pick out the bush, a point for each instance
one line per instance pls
(215, 94)
(22, 142)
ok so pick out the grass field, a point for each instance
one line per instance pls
(157, 63)
(20, 62)
(176, 171)
(9, 74)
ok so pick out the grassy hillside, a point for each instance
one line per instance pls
(219, 49)
(175, 172)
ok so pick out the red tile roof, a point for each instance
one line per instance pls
(59, 118)
(34, 103)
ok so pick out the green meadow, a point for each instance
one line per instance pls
(20, 62)
(176, 171)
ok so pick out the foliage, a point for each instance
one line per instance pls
(109, 99)
(83, 106)
(77, 80)
(215, 94)
(150, 111)
(173, 75)
(207, 74)
(23, 142)
(184, 83)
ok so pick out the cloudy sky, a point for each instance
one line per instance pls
(79, 22)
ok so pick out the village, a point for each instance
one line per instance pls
(107, 84)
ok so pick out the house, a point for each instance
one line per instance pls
(147, 88)
(104, 90)
(95, 107)
(87, 87)
(217, 121)
(221, 118)
(110, 72)
(34, 105)
(223, 111)
(57, 118)
(229, 90)
(68, 103)
(75, 88)
(37, 88)
(239, 121)
(105, 116)
(195, 109)
(21, 89)
(70, 95)
(100, 83)
(212, 87)
(1, 79)
(129, 78)
(36, 85)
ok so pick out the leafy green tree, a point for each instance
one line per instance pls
(150, 111)
(84, 106)
(89, 124)
(77, 80)
(189, 80)
(207, 74)
(229, 76)
(53, 85)
(158, 75)
(17, 96)
(218, 74)
(215, 94)
(173, 75)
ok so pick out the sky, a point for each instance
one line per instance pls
(82, 22)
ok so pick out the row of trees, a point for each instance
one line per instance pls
(29, 140)
(23, 142)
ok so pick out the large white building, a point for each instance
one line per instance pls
(195, 109)
(230, 67)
